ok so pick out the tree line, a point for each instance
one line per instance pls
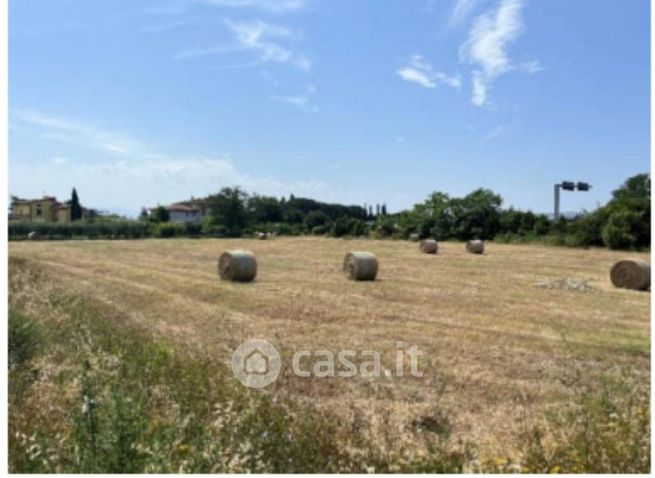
(623, 223)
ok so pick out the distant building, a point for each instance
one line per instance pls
(192, 210)
(182, 213)
(195, 203)
(46, 209)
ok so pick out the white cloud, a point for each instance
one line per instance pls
(419, 71)
(299, 101)
(461, 11)
(142, 176)
(261, 38)
(479, 97)
(302, 102)
(416, 76)
(69, 131)
(532, 67)
(486, 47)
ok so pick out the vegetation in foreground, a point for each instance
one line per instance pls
(624, 223)
(92, 393)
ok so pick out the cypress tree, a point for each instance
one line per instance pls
(76, 209)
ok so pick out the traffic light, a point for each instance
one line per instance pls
(568, 186)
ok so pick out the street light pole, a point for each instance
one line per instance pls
(568, 186)
(558, 187)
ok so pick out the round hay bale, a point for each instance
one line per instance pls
(414, 237)
(360, 266)
(429, 246)
(262, 236)
(33, 236)
(475, 247)
(238, 266)
(633, 275)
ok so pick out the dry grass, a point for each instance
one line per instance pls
(496, 346)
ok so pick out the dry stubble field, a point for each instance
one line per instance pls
(496, 346)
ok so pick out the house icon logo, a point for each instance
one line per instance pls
(256, 363)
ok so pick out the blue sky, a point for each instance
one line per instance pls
(139, 103)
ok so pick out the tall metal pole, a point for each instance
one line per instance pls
(557, 189)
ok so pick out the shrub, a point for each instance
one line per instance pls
(284, 229)
(212, 230)
(586, 230)
(92, 229)
(192, 229)
(385, 227)
(618, 232)
(169, 229)
(340, 227)
(357, 227)
(321, 230)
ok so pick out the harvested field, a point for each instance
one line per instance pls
(495, 344)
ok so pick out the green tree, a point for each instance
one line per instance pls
(619, 232)
(228, 209)
(635, 188)
(159, 214)
(315, 219)
(634, 197)
(76, 208)
(264, 209)
(476, 215)
(586, 230)
(143, 215)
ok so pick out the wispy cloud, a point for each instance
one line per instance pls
(70, 131)
(532, 67)
(486, 47)
(419, 71)
(135, 178)
(302, 102)
(263, 39)
(461, 11)
(166, 26)
(299, 101)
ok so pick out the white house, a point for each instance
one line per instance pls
(182, 213)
